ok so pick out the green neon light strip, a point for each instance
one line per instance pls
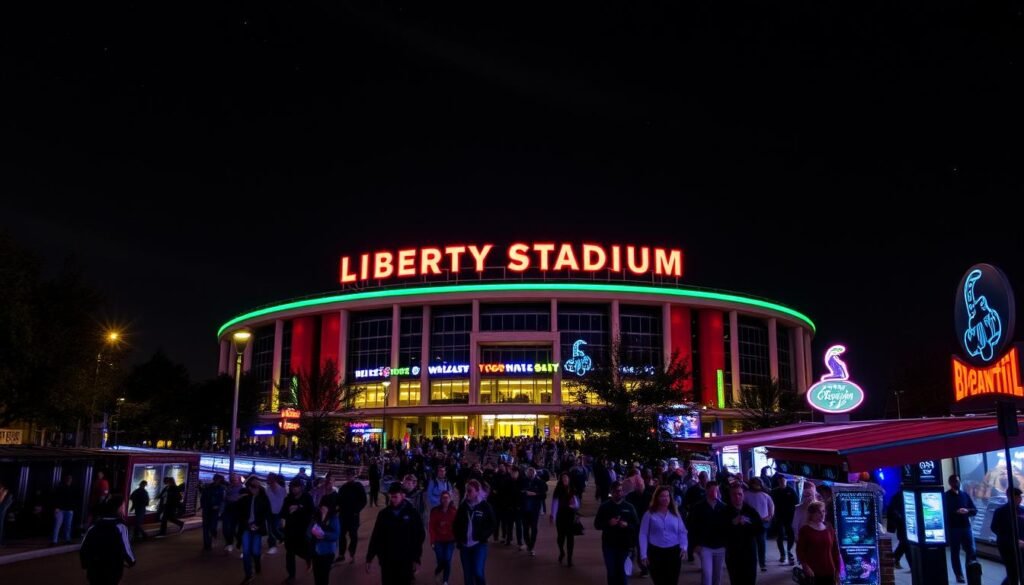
(721, 388)
(555, 287)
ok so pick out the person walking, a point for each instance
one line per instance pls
(1002, 527)
(761, 501)
(351, 501)
(617, 521)
(211, 500)
(252, 511)
(106, 548)
(663, 538)
(276, 493)
(565, 505)
(708, 533)
(65, 500)
(323, 533)
(397, 540)
(170, 500)
(532, 494)
(817, 548)
(140, 501)
(442, 536)
(785, 500)
(897, 522)
(374, 474)
(297, 513)
(475, 522)
(232, 493)
(743, 526)
(959, 509)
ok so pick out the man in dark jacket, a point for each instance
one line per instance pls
(65, 500)
(351, 500)
(211, 500)
(296, 511)
(785, 500)
(106, 548)
(140, 500)
(475, 522)
(743, 526)
(252, 511)
(397, 540)
(959, 509)
(374, 474)
(1002, 527)
(532, 493)
(707, 533)
(618, 523)
(170, 500)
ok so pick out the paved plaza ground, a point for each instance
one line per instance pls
(179, 560)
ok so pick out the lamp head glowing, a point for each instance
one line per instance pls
(241, 339)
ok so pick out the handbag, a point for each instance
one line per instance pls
(577, 526)
(799, 577)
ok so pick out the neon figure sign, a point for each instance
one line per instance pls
(580, 363)
(984, 327)
(835, 393)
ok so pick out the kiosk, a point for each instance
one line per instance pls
(926, 522)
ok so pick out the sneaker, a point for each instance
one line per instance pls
(272, 550)
(533, 553)
(782, 560)
(764, 569)
(229, 548)
(897, 565)
(960, 579)
(522, 547)
(241, 555)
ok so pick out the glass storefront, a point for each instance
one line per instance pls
(408, 392)
(515, 425)
(372, 395)
(154, 473)
(983, 477)
(447, 426)
(512, 390)
(449, 391)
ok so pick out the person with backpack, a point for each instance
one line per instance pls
(106, 549)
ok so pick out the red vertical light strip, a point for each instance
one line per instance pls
(682, 347)
(711, 340)
(303, 332)
(330, 331)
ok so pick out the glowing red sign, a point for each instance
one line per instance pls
(519, 257)
(1003, 377)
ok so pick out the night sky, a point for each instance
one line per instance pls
(848, 161)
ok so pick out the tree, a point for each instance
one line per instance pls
(619, 413)
(766, 405)
(323, 402)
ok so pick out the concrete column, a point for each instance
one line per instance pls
(247, 355)
(773, 349)
(556, 356)
(808, 358)
(425, 360)
(396, 329)
(666, 335)
(796, 338)
(225, 357)
(734, 354)
(342, 345)
(275, 370)
(474, 356)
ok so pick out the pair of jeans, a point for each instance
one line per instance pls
(665, 564)
(615, 564)
(785, 538)
(474, 560)
(230, 526)
(761, 543)
(140, 518)
(443, 552)
(322, 569)
(961, 537)
(349, 533)
(273, 532)
(529, 519)
(62, 519)
(252, 542)
(711, 561)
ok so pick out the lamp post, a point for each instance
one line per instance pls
(384, 421)
(117, 421)
(111, 338)
(240, 339)
(897, 394)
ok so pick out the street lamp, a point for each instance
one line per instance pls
(117, 420)
(240, 339)
(898, 413)
(111, 339)
(384, 421)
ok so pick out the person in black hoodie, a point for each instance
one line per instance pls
(252, 512)
(297, 512)
(532, 493)
(708, 534)
(742, 527)
(106, 548)
(474, 524)
(397, 539)
(351, 500)
(618, 523)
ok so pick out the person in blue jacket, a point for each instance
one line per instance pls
(323, 534)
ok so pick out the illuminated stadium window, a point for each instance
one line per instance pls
(410, 340)
(449, 391)
(447, 426)
(371, 397)
(369, 341)
(571, 394)
(589, 323)
(785, 367)
(408, 392)
(641, 334)
(449, 334)
(754, 364)
(515, 317)
(515, 391)
(263, 363)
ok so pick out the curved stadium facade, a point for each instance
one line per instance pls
(499, 352)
